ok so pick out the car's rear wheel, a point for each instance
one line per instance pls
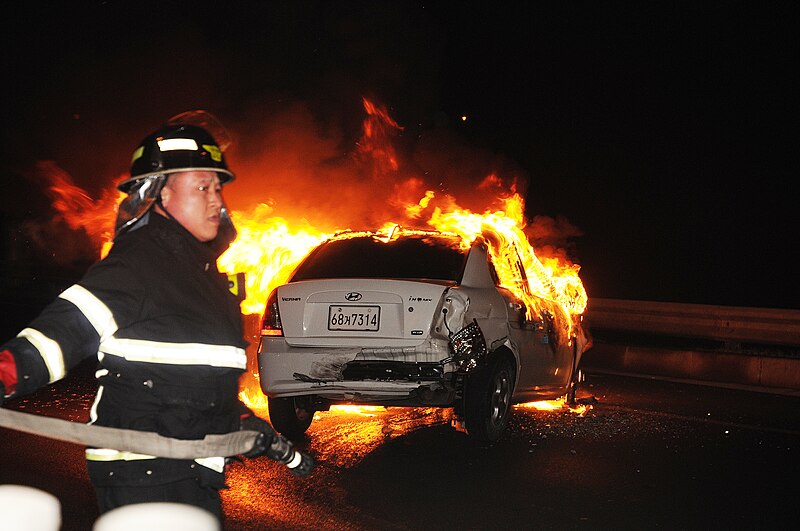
(291, 416)
(487, 400)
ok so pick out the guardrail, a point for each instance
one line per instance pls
(721, 323)
(771, 361)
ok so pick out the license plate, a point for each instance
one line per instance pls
(359, 318)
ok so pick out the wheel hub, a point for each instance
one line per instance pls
(500, 398)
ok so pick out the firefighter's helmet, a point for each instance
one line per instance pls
(183, 144)
(175, 148)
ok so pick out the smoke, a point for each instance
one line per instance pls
(312, 172)
(307, 169)
(77, 224)
(291, 161)
(553, 237)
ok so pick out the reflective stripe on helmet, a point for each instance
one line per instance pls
(49, 350)
(93, 309)
(176, 144)
(137, 154)
(176, 353)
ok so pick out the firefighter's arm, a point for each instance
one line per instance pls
(43, 352)
(72, 327)
(275, 446)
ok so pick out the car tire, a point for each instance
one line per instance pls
(290, 416)
(487, 400)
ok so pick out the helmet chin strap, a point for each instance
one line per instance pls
(166, 212)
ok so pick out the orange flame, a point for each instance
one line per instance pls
(78, 210)
(555, 405)
(267, 249)
(550, 288)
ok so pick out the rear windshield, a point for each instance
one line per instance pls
(409, 257)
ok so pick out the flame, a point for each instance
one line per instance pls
(250, 393)
(547, 288)
(78, 209)
(269, 245)
(555, 405)
(267, 249)
(368, 411)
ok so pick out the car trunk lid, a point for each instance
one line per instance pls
(359, 312)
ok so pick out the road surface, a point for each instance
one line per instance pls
(647, 455)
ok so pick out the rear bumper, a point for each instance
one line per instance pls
(408, 376)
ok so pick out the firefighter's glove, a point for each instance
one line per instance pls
(8, 374)
(283, 451)
(251, 422)
(276, 446)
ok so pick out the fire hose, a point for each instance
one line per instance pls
(247, 442)
(141, 442)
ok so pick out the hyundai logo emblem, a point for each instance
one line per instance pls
(353, 296)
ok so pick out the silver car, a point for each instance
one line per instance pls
(417, 318)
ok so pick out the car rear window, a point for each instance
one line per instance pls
(404, 258)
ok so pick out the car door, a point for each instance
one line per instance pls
(550, 346)
(536, 361)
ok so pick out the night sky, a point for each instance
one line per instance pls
(663, 135)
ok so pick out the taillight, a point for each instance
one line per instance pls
(271, 324)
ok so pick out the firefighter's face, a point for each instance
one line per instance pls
(194, 199)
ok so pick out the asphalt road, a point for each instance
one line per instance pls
(647, 455)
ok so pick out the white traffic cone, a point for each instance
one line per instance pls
(157, 516)
(28, 509)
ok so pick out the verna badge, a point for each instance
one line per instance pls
(353, 296)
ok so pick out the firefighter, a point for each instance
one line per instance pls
(165, 328)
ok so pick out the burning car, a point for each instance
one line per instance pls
(414, 318)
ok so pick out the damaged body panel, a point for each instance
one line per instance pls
(406, 338)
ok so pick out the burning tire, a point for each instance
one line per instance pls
(487, 400)
(290, 416)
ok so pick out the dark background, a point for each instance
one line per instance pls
(665, 133)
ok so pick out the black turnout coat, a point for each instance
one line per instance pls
(167, 333)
